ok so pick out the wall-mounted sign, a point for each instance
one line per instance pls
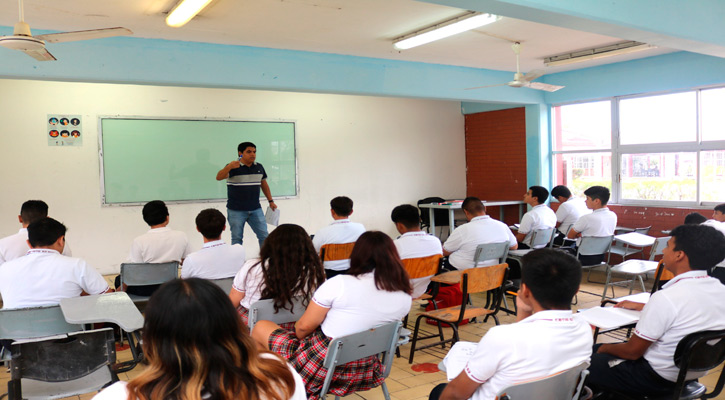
(64, 130)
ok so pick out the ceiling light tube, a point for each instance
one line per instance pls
(597, 53)
(471, 20)
(184, 11)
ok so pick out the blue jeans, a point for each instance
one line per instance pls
(256, 220)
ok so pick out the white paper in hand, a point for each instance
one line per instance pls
(457, 358)
(272, 216)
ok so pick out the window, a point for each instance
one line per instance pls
(662, 148)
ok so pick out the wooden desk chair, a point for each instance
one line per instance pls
(336, 251)
(474, 280)
(564, 385)
(661, 274)
(421, 267)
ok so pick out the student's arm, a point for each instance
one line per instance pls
(268, 194)
(447, 253)
(634, 349)
(630, 305)
(520, 237)
(310, 320)
(573, 234)
(224, 172)
(236, 296)
(460, 388)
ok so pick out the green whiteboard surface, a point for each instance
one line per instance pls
(177, 160)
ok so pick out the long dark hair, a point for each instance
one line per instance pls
(290, 266)
(375, 251)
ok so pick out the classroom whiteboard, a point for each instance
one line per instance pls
(144, 159)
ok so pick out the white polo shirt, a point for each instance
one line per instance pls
(688, 303)
(540, 217)
(463, 241)
(600, 222)
(44, 277)
(159, 245)
(716, 224)
(249, 281)
(356, 304)
(338, 232)
(14, 246)
(538, 346)
(570, 211)
(216, 260)
(416, 245)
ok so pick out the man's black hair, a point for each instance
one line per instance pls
(33, 210)
(473, 205)
(560, 191)
(155, 212)
(210, 223)
(598, 192)
(720, 207)
(703, 245)
(407, 215)
(694, 218)
(341, 205)
(540, 193)
(243, 146)
(553, 277)
(44, 232)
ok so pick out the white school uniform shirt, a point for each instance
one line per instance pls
(338, 232)
(416, 245)
(690, 302)
(463, 241)
(540, 217)
(249, 281)
(716, 224)
(356, 304)
(216, 260)
(600, 222)
(570, 211)
(44, 277)
(159, 245)
(541, 345)
(118, 390)
(14, 246)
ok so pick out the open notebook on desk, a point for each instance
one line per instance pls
(609, 317)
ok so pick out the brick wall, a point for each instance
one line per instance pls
(496, 158)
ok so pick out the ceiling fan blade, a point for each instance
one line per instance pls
(84, 35)
(487, 86)
(544, 86)
(40, 55)
(533, 75)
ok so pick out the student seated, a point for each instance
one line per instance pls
(413, 242)
(340, 231)
(718, 218)
(216, 260)
(690, 302)
(601, 222)
(287, 266)
(375, 291)
(570, 210)
(44, 276)
(14, 246)
(209, 358)
(547, 338)
(694, 219)
(540, 216)
(460, 247)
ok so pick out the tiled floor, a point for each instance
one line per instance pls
(409, 382)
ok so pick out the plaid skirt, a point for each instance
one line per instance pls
(308, 355)
(244, 315)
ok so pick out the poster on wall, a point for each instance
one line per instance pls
(64, 130)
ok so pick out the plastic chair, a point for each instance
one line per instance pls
(263, 310)
(473, 280)
(224, 283)
(342, 350)
(564, 385)
(594, 245)
(539, 239)
(625, 250)
(336, 251)
(143, 274)
(35, 322)
(62, 366)
(491, 251)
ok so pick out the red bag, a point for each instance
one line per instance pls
(448, 296)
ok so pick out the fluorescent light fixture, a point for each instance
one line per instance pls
(596, 53)
(463, 23)
(184, 11)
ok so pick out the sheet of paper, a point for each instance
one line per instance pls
(609, 317)
(637, 298)
(272, 216)
(457, 358)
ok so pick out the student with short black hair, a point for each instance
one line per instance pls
(694, 219)
(539, 217)
(601, 222)
(160, 244)
(217, 259)
(546, 339)
(718, 218)
(44, 276)
(340, 231)
(570, 209)
(14, 246)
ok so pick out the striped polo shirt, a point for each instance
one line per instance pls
(243, 187)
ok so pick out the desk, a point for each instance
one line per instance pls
(452, 206)
(635, 239)
(448, 278)
(610, 318)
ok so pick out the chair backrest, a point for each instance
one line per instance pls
(141, 274)
(336, 251)
(224, 283)
(263, 310)
(594, 245)
(483, 279)
(700, 351)
(644, 230)
(565, 228)
(564, 385)
(657, 247)
(542, 238)
(26, 323)
(491, 251)
(421, 267)
(440, 215)
(383, 339)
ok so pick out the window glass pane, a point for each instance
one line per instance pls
(712, 183)
(713, 117)
(586, 126)
(659, 176)
(578, 171)
(658, 119)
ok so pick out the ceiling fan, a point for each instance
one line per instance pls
(521, 80)
(34, 46)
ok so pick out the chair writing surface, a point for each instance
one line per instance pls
(177, 160)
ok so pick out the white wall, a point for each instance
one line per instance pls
(380, 152)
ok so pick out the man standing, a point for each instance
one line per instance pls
(244, 179)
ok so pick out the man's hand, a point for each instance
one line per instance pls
(630, 305)
(224, 172)
(234, 164)
(272, 205)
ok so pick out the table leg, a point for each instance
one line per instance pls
(521, 212)
(450, 221)
(432, 219)
(500, 213)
